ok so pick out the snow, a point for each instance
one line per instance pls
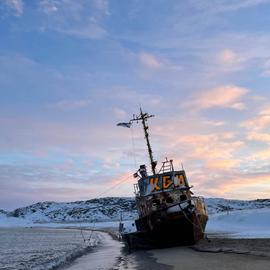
(103, 209)
(254, 223)
(235, 218)
(9, 222)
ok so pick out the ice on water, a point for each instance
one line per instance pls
(42, 248)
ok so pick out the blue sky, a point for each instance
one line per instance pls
(70, 70)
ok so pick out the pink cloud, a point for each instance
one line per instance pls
(120, 113)
(227, 57)
(228, 96)
(260, 122)
(230, 61)
(149, 60)
(263, 137)
(230, 183)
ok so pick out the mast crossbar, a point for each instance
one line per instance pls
(143, 117)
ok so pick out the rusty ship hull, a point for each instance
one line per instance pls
(168, 213)
(175, 229)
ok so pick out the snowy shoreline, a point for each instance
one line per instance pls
(233, 226)
(253, 223)
(228, 232)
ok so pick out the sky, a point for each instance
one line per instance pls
(71, 70)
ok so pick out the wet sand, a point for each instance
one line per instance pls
(186, 258)
(257, 247)
(221, 254)
(218, 253)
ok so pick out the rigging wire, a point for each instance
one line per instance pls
(97, 207)
(92, 230)
(114, 186)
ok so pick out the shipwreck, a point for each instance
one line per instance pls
(168, 212)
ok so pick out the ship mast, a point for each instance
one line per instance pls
(143, 117)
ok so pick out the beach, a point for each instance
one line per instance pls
(222, 254)
(64, 249)
(215, 253)
(186, 258)
(238, 240)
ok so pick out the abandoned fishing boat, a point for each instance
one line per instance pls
(168, 213)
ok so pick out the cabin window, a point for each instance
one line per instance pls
(183, 197)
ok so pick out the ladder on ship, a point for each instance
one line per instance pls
(167, 166)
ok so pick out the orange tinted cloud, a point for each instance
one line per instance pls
(230, 183)
(258, 123)
(254, 183)
(263, 137)
(214, 149)
(228, 96)
(261, 121)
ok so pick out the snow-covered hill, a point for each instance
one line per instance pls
(2, 212)
(218, 205)
(110, 209)
(96, 210)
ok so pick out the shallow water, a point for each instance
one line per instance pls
(43, 248)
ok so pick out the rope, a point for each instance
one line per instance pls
(89, 239)
(85, 240)
(96, 207)
(81, 230)
(114, 186)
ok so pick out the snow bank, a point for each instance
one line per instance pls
(254, 223)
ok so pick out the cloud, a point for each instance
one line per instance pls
(227, 56)
(71, 104)
(219, 6)
(215, 150)
(49, 6)
(262, 137)
(81, 19)
(266, 68)
(16, 6)
(230, 61)
(119, 113)
(221, 97)
(258, 123)
(243, 181)
(102, 5)
(150, 61)
(214, 123)
(88, 31)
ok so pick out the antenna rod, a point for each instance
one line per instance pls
(143, 117)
